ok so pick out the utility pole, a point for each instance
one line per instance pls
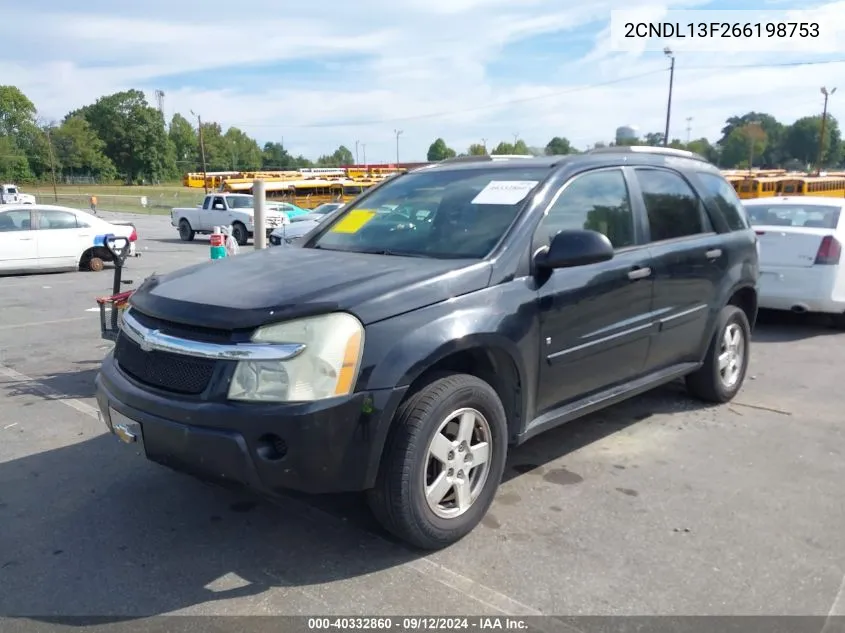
(826, 94)
(515, 139)
(398, 134)
(52, 163)
(670, 55)
(689, 129)
(202, 152)
(356, 151)
(484, 144)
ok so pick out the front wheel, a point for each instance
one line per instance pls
(721, 376)
(186, 233)
(240, 234)
(442, 463)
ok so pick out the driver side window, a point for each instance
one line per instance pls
(219, 205)
(597, 201)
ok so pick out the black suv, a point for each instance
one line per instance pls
(402, 345)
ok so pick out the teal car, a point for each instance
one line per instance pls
(291, 210)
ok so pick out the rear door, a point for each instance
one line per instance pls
(690, 263)
(59, 238)
(18, 250)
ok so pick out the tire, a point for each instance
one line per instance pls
(240, 234)
(709, 383)
(398, 499)
(186, 233)
(95, 264)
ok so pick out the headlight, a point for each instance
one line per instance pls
(327, 367)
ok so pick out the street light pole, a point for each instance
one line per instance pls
(398, 134)
(670, 55)
(202, 152)
(827, 95)
(356, 151)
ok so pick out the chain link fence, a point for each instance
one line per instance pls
(148, 200)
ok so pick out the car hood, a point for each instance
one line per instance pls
(275, 284)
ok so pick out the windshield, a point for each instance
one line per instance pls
(444, 214)
(810, 216)
(240, 202)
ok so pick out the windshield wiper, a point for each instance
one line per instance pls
(394, 253)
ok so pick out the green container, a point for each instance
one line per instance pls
(218, 252)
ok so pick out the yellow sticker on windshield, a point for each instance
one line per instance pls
(353, 221)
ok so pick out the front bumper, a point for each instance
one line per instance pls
(319, 447)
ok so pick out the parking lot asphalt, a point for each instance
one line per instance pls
(658, 506)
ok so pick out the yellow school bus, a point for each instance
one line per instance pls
(828, 186)
(759, 187)
(306, 194)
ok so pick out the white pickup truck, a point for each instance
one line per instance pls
(225, 209)
(11, 194)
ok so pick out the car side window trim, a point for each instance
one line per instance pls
(706, 222)
(638, 236)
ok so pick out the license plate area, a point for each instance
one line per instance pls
(128, 431)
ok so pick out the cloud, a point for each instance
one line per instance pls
(464, 70)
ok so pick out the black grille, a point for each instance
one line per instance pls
(171, 372)
(181, 330)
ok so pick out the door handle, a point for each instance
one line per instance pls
(639, 273)
(25, 239)
(713, 253)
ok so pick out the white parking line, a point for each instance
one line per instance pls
(49, 392)
(837, 612)
(36, 323)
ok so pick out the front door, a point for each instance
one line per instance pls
(689, 265)
(594, 320)
(18, 250)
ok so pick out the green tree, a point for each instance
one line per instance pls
(803, 137)
(521, 148)
(504, 148)
(559, 146)
(774, 152)
(134, 135)
(78, 148)
(185, 143)
(341, 156)
(653, 139)
(275, 156)
(14, 166)
(744, 143)
(477, 149)
(438, 150)
(245, 153)
(17, 112)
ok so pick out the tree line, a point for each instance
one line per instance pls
(122, 137)
(754, 139)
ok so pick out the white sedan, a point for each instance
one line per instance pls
(800, 240)
(46, 238)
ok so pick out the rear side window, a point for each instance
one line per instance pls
(723, 197)
(674, 209)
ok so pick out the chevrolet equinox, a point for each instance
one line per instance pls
(404, 344)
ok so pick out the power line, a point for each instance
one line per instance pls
(499, 104)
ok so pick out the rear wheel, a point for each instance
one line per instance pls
(721, 376)
(443, 462)
(240, 234)
(186, 233)
(95, 264)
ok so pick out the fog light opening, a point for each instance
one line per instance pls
(271, 447)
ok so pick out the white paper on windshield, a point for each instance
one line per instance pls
(504, 191)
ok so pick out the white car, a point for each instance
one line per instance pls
(800, 242)
(46, 238)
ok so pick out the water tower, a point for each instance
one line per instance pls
(627, 133)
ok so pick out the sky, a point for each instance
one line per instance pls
(318, 75)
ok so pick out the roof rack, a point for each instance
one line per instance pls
(482, 158)
(648, 149)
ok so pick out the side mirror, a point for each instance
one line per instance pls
(575, 247)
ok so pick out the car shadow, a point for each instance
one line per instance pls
(64, 385)
(776, 326)
(94, 528)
